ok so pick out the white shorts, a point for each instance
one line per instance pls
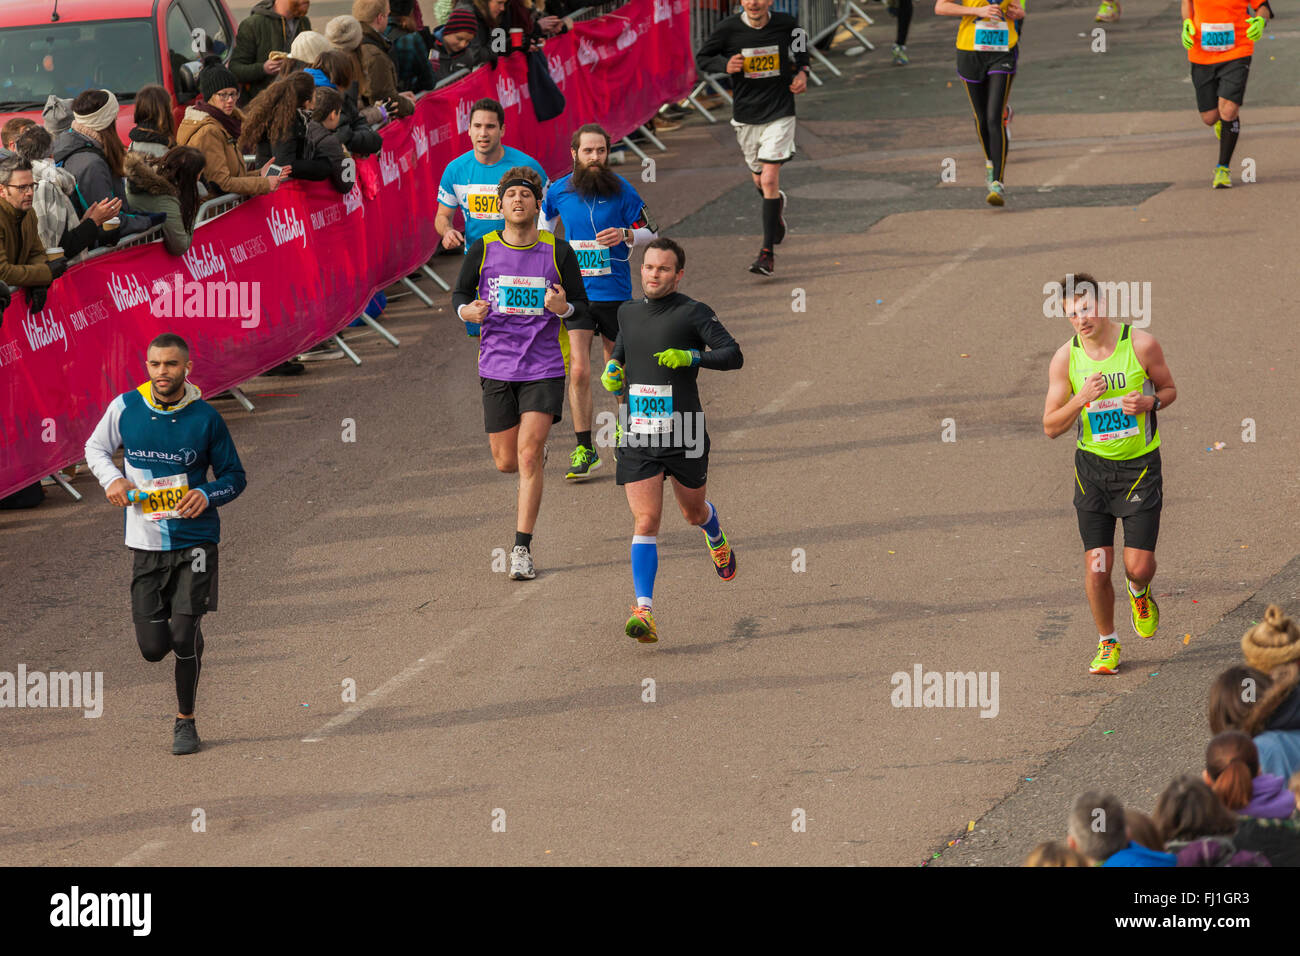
(766, 142)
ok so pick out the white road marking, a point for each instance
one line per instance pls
(435, 655)
(771, 408)
(135, 856)
(903, 300)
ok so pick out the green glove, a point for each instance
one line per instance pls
(1189, 34)
(678, 358)
(1254, 28)
(612, 377)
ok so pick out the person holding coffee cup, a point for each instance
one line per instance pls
(56, 216)
(23, 261)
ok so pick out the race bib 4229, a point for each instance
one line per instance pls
(761, 62)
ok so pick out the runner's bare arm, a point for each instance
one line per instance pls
(1152, 358)
(1062, 408)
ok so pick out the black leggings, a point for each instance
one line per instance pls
(184, 637)
(988, 100)
(904, 14)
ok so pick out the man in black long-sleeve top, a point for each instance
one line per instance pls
(766, 54)
(663, 341)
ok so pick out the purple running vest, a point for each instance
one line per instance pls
(520, 339)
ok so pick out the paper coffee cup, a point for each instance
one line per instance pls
(114, 223)
(54, 252)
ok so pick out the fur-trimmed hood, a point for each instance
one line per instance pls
(142, 177)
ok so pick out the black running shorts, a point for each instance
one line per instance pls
(183, 581)
(637, 464)
(974, 66)
(504, 403)
(1225, 80)
(600, 317)
(1131, 490)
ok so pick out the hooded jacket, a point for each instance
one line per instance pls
(1215, 851)
(1269, 799)
(295, 151)
(57, 221)
(262, 31)
(378, 72)
(323, 146)
(223, 162)
(22, 256)
(85, 159)
(147, 141)
(150, 191)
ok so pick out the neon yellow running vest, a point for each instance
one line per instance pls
(1104, 429)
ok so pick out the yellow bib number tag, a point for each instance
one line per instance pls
(164, 495)
(481, 203)
(761, 62)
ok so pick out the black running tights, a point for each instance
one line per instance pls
(184, 637)
(988, 100)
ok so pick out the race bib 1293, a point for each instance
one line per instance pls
(650, 409)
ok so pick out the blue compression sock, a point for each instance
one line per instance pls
(645, 564)
(711, 527)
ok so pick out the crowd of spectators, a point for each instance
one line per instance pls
(1241, 809)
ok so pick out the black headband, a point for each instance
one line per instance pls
(501, 189)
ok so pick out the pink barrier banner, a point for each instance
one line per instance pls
(280, 273)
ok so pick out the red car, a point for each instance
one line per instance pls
(67, 46)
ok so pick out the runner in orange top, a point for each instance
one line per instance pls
(1220, 36)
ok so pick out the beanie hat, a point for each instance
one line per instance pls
(1272, 642)
(344, 32)
(215, 78)
(102, 118)
(57, 114)
(308, 46)
(460, 20)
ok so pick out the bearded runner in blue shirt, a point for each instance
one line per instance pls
(604, 219)
(170, 438)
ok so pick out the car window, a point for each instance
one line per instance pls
(180, 43)
(202, 14)
(69, 58)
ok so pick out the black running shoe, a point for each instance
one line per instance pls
(765, 264)
(185, 739)
(780, 231)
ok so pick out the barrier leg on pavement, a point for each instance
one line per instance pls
(238, 395)
(635, 148)
(438, 280)
(380, 329)
(419, 293)
(649, 134)
(698, 105)
(63, 483)
(850, 9)
(338, 340)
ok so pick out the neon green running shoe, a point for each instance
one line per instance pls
(724, 559)
(582, 463)
(1222, 178)
(1107, 659)
(1218, 129)
(641, 625)
(1146, 613)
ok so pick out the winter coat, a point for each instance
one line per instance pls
(262, 31)
(410, 55)
(293, 151)
(448, 63)
(1278, 840)
(84, 158)
(22, 257)
(379, 73)
(148, 141)
(1269, 799)
(224, 169)
(151, 192)
(323, 146)
(57, 221)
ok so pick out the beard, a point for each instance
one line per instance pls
(595, 181)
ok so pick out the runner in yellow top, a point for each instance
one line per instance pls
(987, 51)
(1107, 383)
(1220, 36)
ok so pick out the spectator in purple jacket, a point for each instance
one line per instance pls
(1232, 772)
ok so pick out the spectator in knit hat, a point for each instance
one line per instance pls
(345, 34)
(308, 46)
(457, 44)
(271, 27)
(378, 71)
(91, 151)
(213, 127)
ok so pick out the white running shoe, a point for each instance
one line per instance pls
(521, 564)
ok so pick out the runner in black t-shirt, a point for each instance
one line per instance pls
(766, 54)
(663, 340)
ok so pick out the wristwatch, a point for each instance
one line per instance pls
(1156, 406)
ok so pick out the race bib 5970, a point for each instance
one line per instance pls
(481, 202)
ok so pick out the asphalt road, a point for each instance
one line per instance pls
(481, 699)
